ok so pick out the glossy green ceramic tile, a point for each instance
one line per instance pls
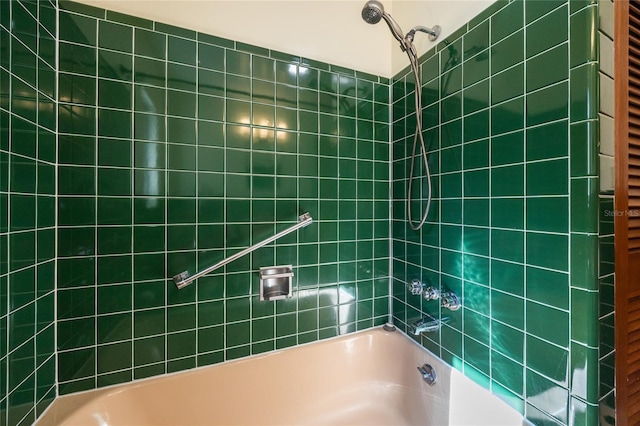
(476, 97)
(548, 214)
(508, 148)
(77, 120)
(534, 10)
(476, 126)
(548, 250)
(477, 355)
(554, 26)
(508, 116)
(555, 363)
(149, 350)
(477, 242)
(507, 21)
(109, 359)
(584, 198)
(583, 27)
(148, 43)
(507, 52)
(536, 383)
(114, 327)
(507, 309)
(128, 19)
(476, 211)
(114, 94)
(77, 28)
(549, 287)
(507, 181)
(508, 341)
(547, 105)
(507, 372)
(83, 274)
(476, 183)
(547, 141)
(547, 178)
(116, 65)
(584, 88)
(148, 71)
(584, 264)
(476, 69)
(115, 36)
(575, 6)
(607, 255)
(507, 245)
(181, 50)
(535, 324)
(68, 362)
(583, 149)
(485, 14)
(507, 213)
(583, 413)
(77, 89)
(585, 305)
(76, 302)
(450, 108)
(476, 40)
(508, 84)
(82, 8)
(548, 68)
(607, 377)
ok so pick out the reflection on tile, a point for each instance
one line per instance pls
(545, 395)
(518, 182)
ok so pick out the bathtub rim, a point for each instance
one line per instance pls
(86, 396)
(65, 409)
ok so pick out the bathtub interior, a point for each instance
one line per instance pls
(364, 378)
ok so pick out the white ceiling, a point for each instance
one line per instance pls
(325, 30)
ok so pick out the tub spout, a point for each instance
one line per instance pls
(426, 324)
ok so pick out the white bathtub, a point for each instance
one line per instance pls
(366, 378)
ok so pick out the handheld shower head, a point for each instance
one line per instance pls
(373, 11)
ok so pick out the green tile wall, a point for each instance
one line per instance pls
(177, 149)
(27, 209)
(171, 149)
(510, 118)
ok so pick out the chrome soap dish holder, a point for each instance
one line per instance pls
(275, 282)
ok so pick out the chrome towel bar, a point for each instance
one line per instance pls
(183, 279)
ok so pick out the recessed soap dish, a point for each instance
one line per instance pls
(275, 282)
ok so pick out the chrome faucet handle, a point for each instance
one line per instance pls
(416, 287)
(450, 300)
(431, 293)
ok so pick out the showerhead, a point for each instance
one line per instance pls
(373, 11)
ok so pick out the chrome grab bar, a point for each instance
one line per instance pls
(183, 279)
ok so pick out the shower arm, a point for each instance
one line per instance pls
(432, 32)
(407, 44)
